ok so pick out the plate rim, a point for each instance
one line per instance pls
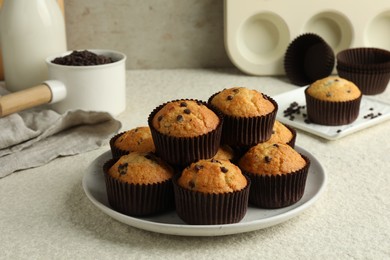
(207, 230)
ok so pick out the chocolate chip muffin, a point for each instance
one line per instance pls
(211, 192)
(139, 184)
(138, 139)
(185, 118)
(185, 131)
(282, 133)
(278, 174)
(248, 115)
(332, 101)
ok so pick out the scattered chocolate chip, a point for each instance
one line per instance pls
(229, 97)
(307, 121)
(160, 118)
(183, 104)
(371, 108)
(191, 184)
(224, 170)
(293, 109)
(179, 118)
(267, 159)
(187, 111)
(122, 168)
(236, 90)
(276, 145)
(338, 131)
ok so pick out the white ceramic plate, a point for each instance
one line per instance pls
(170, 223)
(368, 105)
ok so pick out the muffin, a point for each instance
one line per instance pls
(277, 172)
(138, 139)
(283, 134)
(332, 101)
(139, 184)
(210, 192)
(248, 115)
(185, 131)
(224, 152)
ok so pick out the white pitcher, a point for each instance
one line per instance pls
(30, 31)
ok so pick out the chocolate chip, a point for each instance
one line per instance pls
(328, 94)
(179, 118)
(236, 90)
(122, 168)
(229, 97)
(339, 131)
(187, 111)
(276, 145)
(191, 184)
(215, 161)
(224, 170)
(183, 104)
(267, 159)
(160, 118)
(198, 167)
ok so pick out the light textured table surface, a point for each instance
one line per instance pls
(44, 213)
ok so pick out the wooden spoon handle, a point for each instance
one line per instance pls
(28, 98)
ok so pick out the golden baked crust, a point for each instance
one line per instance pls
(141, 168)
(271, 159)
(185, 118)
(280, 133)
(333, 88)
(242, 102)
(224, 152)
(138, 139)
(212, 176)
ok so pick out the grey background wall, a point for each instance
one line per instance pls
(154, 34)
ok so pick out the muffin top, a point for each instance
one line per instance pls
(138, 139)
(185, 118)
(333, 88)
(242, 102)
(212, 176)
(271, 159)
(224, 152)
(141, 168)
(280, 133)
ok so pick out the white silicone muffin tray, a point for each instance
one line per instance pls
(258, 32)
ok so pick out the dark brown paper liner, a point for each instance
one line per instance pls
(197, 208)
(185, 150)
(368, 83)
(115, 151)
(247, 131)
(294, 137)
(364, 58)
(278, 191)
(307, 59)
(138, 199)
(332, 113)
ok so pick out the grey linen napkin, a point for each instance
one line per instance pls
(34, 137)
